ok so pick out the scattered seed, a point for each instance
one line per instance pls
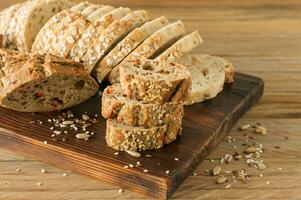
(82, 136)
(260, 129)
(250, 150)
(244, 127)
(148, 156)
(131, 166)
(216, 170)
(45, 142)
(176, 159)
(133, 153)
(116, 153)
(18, 170)
(69, 122)
(43, 171)
(85, 117)
(228, 186)
(145, 170)
(268, 182)
(260, 175)
(39, 183)
(65, 174)
(120, 191)
(221, 180)
(260, 165)
(167, 172)
(126, 166)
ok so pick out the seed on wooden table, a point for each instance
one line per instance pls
(260, 165)
(85, 117)
(133, 153)
(82, 136)
(228, 186)
(268, 182)
(260, 129)
(57, 132)
(148, 156)
(216, 170)
(116, 153)
(250, 150)
(45, 142)
(176, 159)
(43, 171)
(65, 174)
(120, 191)
(68, 122)
(39, 183)
(145, 170)
(244, 127)
(18, 170)
(221, 180)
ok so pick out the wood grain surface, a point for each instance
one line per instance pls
(260, 38)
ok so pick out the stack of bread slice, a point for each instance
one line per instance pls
(145, 110)
(36, 83)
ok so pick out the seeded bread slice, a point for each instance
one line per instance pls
(123, 137)
(209, 74)
(33, 18)
(100, 12)
(127, 45)
(50, 31)
(8, 25)
(80, 7)
(150, 81)
(130, 112)
(111, 36)
(90, 9)
(159, 40)
(46, 84)
(94, 31)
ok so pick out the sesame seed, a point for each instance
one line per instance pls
(18, 170)
(120, 191)
(228, 186)
(268, 182)
(116, 153)
(45, 142)
(145, 170)
(176, 159)
(167, 171)
(39, 183)
(64, 174)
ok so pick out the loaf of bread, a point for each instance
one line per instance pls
(46, 83)
(155, 82)
(124, 137)
(209, 73)
(115, 104)
(127, 45)
(157, 42)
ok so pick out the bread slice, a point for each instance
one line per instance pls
(33, 19)
(130, 112)
(159, 40)
(180, 48)
(46, 84)
(50, 31)
(90, 9)
(8, 25)
(100, 12)
(127, 45)
(209, 74)
(80, 7)
(124, 137)
(94, 31)
(150, 81)
(111, 36)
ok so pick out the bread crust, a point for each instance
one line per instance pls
(134, 113)
(121, 137)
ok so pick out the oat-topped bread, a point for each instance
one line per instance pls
(155, 82)
(209, 74)
(94, 32)
(124, 137)
(180, 48)
(161, 39)
(115, 104)
(46, 83)
(111, 36)
(97, 14)
(127, 45)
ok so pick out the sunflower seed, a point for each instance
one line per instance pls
(244, 127)
(133, 153)
(221, 180)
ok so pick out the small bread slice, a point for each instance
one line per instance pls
(134, 113)
(180, 48)
(57, 24)
(100, 12)
(150, 81)
(159, 40)
(80, 7)
(94, 31)
(46, 84)
(111, 36)
(209, 73)
(90, 9)
(127, 45)
(34, 18)
(123, 137)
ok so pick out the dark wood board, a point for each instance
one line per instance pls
(204, 127)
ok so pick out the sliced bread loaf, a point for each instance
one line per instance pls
(159, 40)
(127, 45)
(209, 74)
(180, 48)
(100, 12)
(46, 84)
(150, 81)
(123, 137)
(111, 36)
(33, 17)
(94, 31)
(115, 104)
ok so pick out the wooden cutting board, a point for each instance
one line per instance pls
(204, 126)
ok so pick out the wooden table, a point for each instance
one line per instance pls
(260, 38)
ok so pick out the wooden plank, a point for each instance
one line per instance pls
(204, 126)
